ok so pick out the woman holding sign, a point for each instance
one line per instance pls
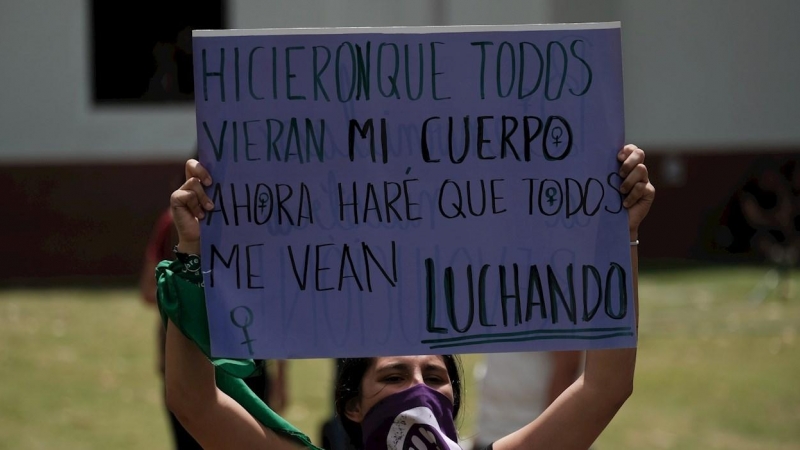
(400, 402)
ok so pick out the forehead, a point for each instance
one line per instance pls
(411, 361)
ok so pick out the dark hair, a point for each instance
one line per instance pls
(348, 386)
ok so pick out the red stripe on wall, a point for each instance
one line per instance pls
(90, 222)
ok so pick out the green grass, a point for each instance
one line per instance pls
(716, 370)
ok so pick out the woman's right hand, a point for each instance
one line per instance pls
(189, 205)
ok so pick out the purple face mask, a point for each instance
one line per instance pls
(418, 418)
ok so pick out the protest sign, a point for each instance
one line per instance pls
(413, 190)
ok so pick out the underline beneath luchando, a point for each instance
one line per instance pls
(533, 335)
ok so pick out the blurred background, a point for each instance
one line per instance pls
(96, 119)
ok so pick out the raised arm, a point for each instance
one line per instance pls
(578, 416)
(214, 419)
(567, 367)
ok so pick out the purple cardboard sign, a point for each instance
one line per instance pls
(413, 190)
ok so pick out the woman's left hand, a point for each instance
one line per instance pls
(639, 192)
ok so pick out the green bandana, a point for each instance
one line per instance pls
(182, 300)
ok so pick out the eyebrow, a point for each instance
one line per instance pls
(434, 367)
(403, 367)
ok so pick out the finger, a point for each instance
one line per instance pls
(193, 184)
(637, 174)
(636, 193)
(628, 150)
(641, 192)
(184, 199)
(630, 156)
(198, 201)
(188, 199)
(193, 168)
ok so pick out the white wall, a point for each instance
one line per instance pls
(710, 74)
(499, 12)
(331, 13)
(46, 112)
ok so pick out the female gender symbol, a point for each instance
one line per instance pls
(263, 198)
(551, 194)
(248, 320)
(556, 137)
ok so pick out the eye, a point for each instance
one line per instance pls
(435, 379)
(392, 379)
